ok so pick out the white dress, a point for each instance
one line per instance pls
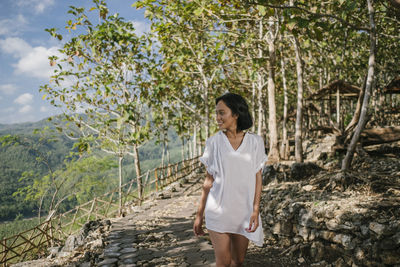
(230, 201)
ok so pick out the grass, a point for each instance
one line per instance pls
(18, 226)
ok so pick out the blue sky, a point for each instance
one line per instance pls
(25, 47)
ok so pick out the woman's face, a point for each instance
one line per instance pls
(225, 118)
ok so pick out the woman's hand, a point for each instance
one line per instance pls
(254, 223)
(198, 226)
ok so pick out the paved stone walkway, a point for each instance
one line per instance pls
(159, 233)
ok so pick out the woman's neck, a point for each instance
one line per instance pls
(233, 133)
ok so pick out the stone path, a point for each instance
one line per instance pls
(159, 233)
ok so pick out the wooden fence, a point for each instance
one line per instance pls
(32, 243)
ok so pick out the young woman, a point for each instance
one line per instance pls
(231, 191)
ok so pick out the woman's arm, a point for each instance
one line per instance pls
(198, 222)
(254, 223)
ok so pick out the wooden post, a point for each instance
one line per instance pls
(146, 182)
(4, 258)
(91, 210)
(176, 171)
(169, 172)
(156, 177)
(338, 106)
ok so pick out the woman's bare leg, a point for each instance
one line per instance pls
(222, 248)
(239, 246)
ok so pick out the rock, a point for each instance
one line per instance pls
(268, 174)
(364, 230)
(344, 240)
(107, 262)
(282, 228)
(339, 263)
(320, 264)
(53, 251)
(72, 242)
(396, 239)
(309, 188)
(98, 243)
(301, 171)
(390, 258)
(128, 250)
(334, 226)
(377, 228)
(307, 219)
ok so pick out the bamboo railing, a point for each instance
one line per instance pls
(32, 243)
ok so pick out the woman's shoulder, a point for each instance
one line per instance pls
(213, 138)
(254, 136)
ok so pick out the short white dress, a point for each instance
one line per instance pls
(230, 201)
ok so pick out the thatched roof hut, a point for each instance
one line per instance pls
(345, 90)
(393, 87)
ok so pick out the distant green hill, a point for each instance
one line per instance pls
(16, 159)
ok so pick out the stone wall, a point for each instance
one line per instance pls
(351, 228)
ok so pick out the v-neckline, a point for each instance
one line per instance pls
(229, 143)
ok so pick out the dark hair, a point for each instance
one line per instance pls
(238, 106)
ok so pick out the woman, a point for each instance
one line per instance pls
(231, 191)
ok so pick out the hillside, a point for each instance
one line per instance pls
(14, 160)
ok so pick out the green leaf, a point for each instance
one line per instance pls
(262, 10)
(198, 11)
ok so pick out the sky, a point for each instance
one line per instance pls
(25, 47)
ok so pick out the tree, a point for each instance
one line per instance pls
(368, 87)
(79, 178)
(192, 56)
(108, 67)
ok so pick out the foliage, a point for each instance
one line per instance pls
(15, 160)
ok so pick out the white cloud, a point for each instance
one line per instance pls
(8, 89)
(141, 27)
(7, 110)
(1, 98)
(13, 26)
(44, 109)
(24, 99)
(15, 46)
(36, 62)
(38, 6)
(32, 61)
(25, 109)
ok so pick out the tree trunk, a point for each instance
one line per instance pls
(272, 127)
(120, 158)
(338, 106)
(183, 148)
(138, 172)
(207, 111)
(260, 83)
(189, 148)
(253, 105)
(167, 150)
(376, 136)
(199, 148)
(195, 154)
(260, 106)
(346, 163)
(299, 112)
(356, 116)
(285, 144)
(163, 154)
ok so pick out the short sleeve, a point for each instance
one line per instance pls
(260, 157)
(209, 158)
